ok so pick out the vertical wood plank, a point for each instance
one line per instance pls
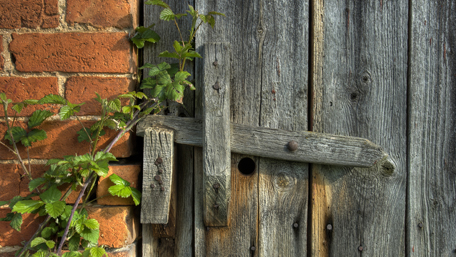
(431, 219)
(157, 175)
(360, 89)
(283, 186)
(216, 133)
(241, 29)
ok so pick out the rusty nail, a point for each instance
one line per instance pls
(215, 63)
(162, 188)
(252, 248)
(152, 186)
(158, 178)
(216, 186)
(329, 227)
(160, 182)
(295, 225)
(158, 161)
(420, 225)
(160, 171)
(216, 86)
(292, 145)
(360, 248)
(216, 206)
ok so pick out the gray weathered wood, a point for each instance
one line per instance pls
(431, 217)
(216, 134)
(272, 143)
(360, 89)
(157, 175)
(283, 185)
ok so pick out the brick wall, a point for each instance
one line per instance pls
(73, 48)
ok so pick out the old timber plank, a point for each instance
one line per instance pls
(272, 143)
(283, 185)
(359, 72)
(431, 219)
(240, 29)
(216, 134)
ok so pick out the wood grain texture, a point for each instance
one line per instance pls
(283, 185)
(431, 219)
(360, 89)
(216, 133)
(157, 175)
(272, 143)
(240, 29)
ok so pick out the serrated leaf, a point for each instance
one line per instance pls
(141, 95)
(41, 253)
(40, 240)
(9, 217)
(156, 69)
(38, 117)
(52, 99)
(92, 224)
(36, 183)
(72, 254)
(17, 132)
(90, 235)
(126, 109)
(148, 83)
(3, 203)
(18, 107)
(33, 136)
(157, 2)
(66, 112)
(147, 111)
(118, 180)
(51, 195)
(167, 54)
(167, 15)
(120, 190)
(216, 13)
(66, 212)
(27, 206)
(96, 252)
(3, 96)
(30, 101)
(82, 159)
(192, 54)
(55, 209)
(181, 76)
(15, 200)
(180, 15)
(52, 161)
(47, 232)
(104, 156)
(73, 243)
(16, 222)
(114, 105)
(84, 137)
(177, 46)
(136, 195)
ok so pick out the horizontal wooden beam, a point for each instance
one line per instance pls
(274, 143)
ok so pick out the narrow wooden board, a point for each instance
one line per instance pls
(431, 217)
(216, 133)
(157, 175)
(359, 76)
(272, 143)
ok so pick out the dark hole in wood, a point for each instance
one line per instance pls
(353, 96)
(247, 166)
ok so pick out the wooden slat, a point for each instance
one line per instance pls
(272, 143)
(157, 175)
(283, 185)
(359, 70)
(431, 215)
(216, 134)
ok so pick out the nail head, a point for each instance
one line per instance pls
(158, 161)
(157, 177)
(329, 227)
(215, 63)
(420, 225)
(160, 171)
(216, 86)
(295, 225)
(152, 186)
(360, 248)
(216, 186)
(252, 248)
(292, 146)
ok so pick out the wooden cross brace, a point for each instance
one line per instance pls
(219, 138)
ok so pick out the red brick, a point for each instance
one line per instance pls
(118, 225)
(1, 52)
(50, 22)
(25, 13)
(19, 89)
(128, 251)
(83, 89)
(9, 236)
(130, 173)
(100, 13)
(72, 52)
(62, 140)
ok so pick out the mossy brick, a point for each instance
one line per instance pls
(83, 89)
(25, 14)
(9, 236)
(118, 225)
(130, 173)
(62, 140)
(19, 89)
(73, 52)
(101, 13)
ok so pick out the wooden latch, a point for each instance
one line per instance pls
(219, 138)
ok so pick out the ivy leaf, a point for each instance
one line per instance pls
(104, 156)
(136, 195)
(33, 136)
(118, 180)
(27, 206)
(16, 222)
(91, 235)
(52, 99)
(18, 134)
(38, 117)
(51, 195)
(73, 243)
(167, 54)
(36, 183)
(120, 190)
(55, 209)
(92, 224)
(157, 2)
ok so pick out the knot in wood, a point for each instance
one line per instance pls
(292, 146)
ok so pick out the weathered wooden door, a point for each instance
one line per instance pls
(381, 70)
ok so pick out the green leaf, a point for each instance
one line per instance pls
(157, 2)
(33, 136)
(118, 180)
(92, 224)
(177, 46)
(126, 109)
(38, 117)
(104, 156)
(15, 200)
(82, 159)
(9, 217)
(52, 99)
(67, 212)
(181, 76)
(156, 69)
(53, 161)
(48, 232)
(16, 222)
(17, 132)
(73, 243)
(41, 253)
(3, 203)
(91, 235)
(120, 190)
(18, 107)
(40, 240)
(114, 105)
(51, 195)
(136, 194)
(141, 95)
(216, 13)
(3, 96)
(167, 54)
(84, 137)
(167, 15)
(180, 15)
(36, 183)
(55, 209)
(27, 206)
(148, 83)
(95, 252)
(30, 101)
(66, 112)
(72, 253)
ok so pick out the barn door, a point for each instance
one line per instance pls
(349, 52)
